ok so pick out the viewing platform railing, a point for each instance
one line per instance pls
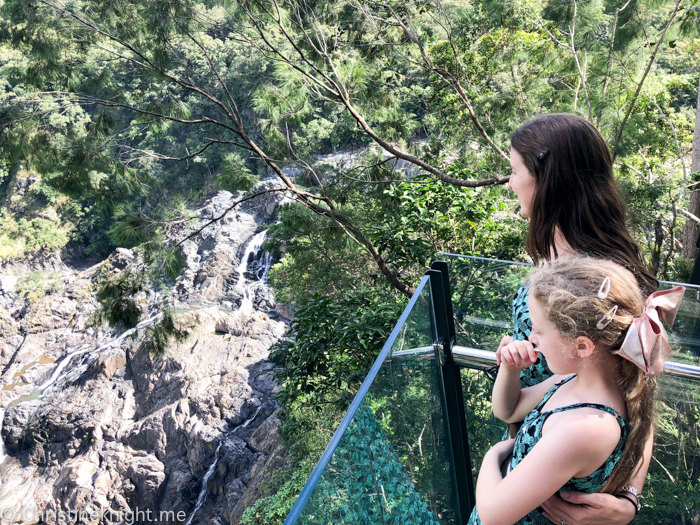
(409, 447)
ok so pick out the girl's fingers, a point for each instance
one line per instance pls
(505, 341)
(518, 354)
(533, 354)
(508, 358)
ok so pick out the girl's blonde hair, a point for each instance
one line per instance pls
(571, 297)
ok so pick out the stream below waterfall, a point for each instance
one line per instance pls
(203, 491)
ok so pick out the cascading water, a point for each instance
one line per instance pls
(203, 492)
(58, 373)
(250, 419)
(260, 266)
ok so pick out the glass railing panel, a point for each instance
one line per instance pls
(482, 294)
(672, 490)
(389, 462)
(482, 297)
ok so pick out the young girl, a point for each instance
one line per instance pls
(585, 428)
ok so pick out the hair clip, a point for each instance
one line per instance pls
(604, 288)
(607, 318)
(542, 155)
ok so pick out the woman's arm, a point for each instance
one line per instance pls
(578, 508)
(510, 403)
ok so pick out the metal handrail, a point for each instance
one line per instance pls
(480, 359)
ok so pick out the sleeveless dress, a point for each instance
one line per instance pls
(522, 326)
(531, 432)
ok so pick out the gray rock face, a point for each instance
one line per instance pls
(93, 421)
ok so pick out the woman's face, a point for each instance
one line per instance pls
(522, 182)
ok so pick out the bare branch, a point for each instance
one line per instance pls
(190, 156)
(618, 137)
(581, 72)
(689, 215)
(226, 212)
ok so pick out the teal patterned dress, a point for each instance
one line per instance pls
(522, 326)
(531, 432)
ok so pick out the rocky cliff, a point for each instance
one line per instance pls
(96, 427)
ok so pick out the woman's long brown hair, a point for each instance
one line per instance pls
(576, 192)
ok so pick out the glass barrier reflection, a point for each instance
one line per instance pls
(391, 465)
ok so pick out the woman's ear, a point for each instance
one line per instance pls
(584, 347)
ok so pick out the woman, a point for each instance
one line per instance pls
(563, 177)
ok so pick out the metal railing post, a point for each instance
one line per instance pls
(452, 390)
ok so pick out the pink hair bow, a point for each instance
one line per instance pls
(646, 343)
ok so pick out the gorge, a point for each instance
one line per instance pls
(94, 421)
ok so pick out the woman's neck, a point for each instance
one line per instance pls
(562, 247)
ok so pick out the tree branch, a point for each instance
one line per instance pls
(618, 137)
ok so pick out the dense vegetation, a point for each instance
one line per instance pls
(119, 117)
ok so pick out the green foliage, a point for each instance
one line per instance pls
(37, 284)
(235, 175)
(22, 237)
(272, 510)
(318, 257)
(165, 331)
(418, 220)
(305, 434)
(116, 294)
(332, 345)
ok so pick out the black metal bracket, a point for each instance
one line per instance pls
(452, 389)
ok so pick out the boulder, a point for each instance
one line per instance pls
(266, 437)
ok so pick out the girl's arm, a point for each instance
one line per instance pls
(510, 403)
(579, 508)
(576, 445)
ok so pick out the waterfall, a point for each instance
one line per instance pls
(57, 374)
(203, 492)
(260, 266)
(251, 418)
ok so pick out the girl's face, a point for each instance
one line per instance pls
(522, 182)
(560, 354)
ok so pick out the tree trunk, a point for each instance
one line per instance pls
(658, 244)
(691, 230)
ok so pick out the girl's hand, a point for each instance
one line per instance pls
(505, 341)
(517, 355)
